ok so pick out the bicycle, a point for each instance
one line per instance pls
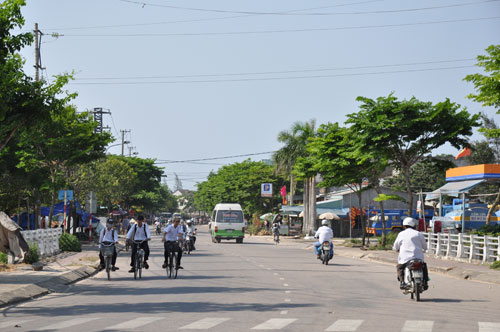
(139, 256)
(276, 234)
(107, 251)
(172, 266)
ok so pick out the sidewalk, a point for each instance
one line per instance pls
(58, 272)
(452, 268)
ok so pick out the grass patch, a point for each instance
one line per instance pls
(495, 265)
(3, 258)
(352, 243)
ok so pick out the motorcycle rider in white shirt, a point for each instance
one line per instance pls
(190, 230)
(108, 235)
(410, 244)
(324, 233)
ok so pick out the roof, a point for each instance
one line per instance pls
(454, 188)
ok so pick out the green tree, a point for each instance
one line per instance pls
(487, 85)
(404, 132)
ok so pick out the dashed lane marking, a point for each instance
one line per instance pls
(204, 324)
(489, 327)
(274, 324)
(418, 326)
(134, 323)
(65, 324)
(345, 325)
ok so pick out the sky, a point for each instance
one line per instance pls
(195, 79)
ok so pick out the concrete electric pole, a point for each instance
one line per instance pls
(38, 59)
(123, 139)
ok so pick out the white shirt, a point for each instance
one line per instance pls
(141, 234)
(324, 233)
(190, 230)
(410, 244)
(172, 232)
(108, 236)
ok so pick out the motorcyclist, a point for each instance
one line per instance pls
(411, 245)
(108, 235)
(157, 225)
(323, 234)
(139, 232)
(190, 230)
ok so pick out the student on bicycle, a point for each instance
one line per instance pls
(171, 235)
(139, 232)
(108, 235)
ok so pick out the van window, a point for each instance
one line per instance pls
(229, 216)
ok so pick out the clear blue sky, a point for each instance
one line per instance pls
(198, 79)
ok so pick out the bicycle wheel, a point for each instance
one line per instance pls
(136, 267)
(140, 267)
(176, 266)
(170, 266)
(108, 267)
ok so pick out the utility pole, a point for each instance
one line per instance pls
(38, 59)
(130, 148)
(123, 139)
(98, 112)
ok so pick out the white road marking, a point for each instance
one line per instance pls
(204, 324)
(288, 300)
(345, 325)
(274, 324)
(284, 312)
(288, 291)
(418, 326)
(489, 327)
(286, 285)
(134, 323)
(65, 324)
(275, 273)
(13, 322)
(282, 278)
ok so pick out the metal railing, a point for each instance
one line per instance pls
(462, 246)
(46, 239)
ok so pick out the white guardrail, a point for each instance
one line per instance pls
(464, 247)
(46, 239)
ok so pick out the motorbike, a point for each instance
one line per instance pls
(414, 279)
(189, 243)
(325, 254)
(158, 229)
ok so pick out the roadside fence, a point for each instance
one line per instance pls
(464, 247)
(46, 239)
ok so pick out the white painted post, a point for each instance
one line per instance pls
(472, 248)
(486, 249)
(438, 245)
(448, 245)
(460, 246)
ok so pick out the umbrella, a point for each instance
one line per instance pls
(329, 216)
(301, 214)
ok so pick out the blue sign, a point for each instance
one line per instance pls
(69, 195)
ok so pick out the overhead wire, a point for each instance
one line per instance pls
(144, 3)
(276, 72)
(161, 161)
(229, 33)
(276, 78)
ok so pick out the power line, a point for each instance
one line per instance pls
(143, 3)
(203, 19)
(276, 78)
(276, 72)
(280, 31)
(214, 158)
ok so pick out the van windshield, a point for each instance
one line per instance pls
(229, 216)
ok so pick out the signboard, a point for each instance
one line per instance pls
(91, 206)
(69, 195)
(266, 190)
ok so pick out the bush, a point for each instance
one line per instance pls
(492, 230)
(495, 265)
(252, 229)
(389, 241)
(3, 258)
(69, 242)
(32, 255)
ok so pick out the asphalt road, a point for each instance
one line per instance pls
(258, 286)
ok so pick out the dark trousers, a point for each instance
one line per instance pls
(172, 246)
(113, 258)
(144, 245)
(401, 272)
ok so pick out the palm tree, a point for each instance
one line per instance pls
(295, 141)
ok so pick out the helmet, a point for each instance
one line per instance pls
(324, 222)
(156, 218)
(409, 222)
(110, 221)
(189, 222)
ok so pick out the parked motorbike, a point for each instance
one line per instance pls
(414, 279)
(325, 254)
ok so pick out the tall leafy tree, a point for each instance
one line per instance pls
(487, 85)
(406, 131)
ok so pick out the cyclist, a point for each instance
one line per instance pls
(108, 235)
(276, 228)
(191, 231)
(139, 232)
(171, 235)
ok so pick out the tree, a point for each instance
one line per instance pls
(487, 86)
(404, 132)
(295, 141)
